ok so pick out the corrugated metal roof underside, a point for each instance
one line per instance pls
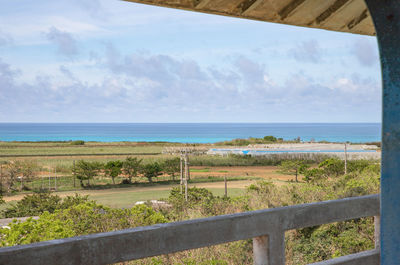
(337, 15)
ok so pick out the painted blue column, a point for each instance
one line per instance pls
(386, 17)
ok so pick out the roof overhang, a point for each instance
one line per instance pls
(338, 15)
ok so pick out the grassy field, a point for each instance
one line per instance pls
(128, 199)
(48, 149)
(128, 195)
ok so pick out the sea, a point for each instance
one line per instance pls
(188, 132)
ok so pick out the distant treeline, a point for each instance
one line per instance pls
(272, 140)
(252, 140)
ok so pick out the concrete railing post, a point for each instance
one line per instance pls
(377, 233)
(269, 250)
(260, 250)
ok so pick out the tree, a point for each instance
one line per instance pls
(131, 167)
(151, 171)
(113, 169)
(270, 138)
(9, 174)
(85, 170)
(172, 166)
(293, 167)
(27, 170)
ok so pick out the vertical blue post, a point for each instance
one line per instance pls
(386, 17)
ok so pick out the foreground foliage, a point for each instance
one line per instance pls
(36, 204)
(79, 219)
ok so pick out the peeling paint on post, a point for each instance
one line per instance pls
(386, 17)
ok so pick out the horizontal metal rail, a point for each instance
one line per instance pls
(266, 227)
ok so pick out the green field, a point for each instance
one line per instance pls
(49, 149)
(128, 198)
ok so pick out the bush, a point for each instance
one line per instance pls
(77, 142)
(81, 219)
(32, 205)
(47, 227)
(270, 138)
(36, 204)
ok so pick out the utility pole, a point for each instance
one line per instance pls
(1, 180)
(181, 166)
(345, 158)
(226, 187)
(188, 165)
(55, 179)
(73, 172)
(186, 176)
(49, 179)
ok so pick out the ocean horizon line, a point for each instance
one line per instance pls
(188, 132)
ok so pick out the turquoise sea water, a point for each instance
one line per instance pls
(188, 132)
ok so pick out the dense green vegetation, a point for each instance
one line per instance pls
(252, 140)
(232, 160)
(325, 181)
(79, 219)
(36, 204)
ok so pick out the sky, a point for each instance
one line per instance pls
(115, 61)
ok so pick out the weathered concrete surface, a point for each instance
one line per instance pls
(269, 249)
(370, 257)
(338, 15)
(160, 239)
(386, 16)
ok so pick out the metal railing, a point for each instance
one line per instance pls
(266, 228)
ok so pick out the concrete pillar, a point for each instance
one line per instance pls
(386, 17)
(269, 250)
(377, 233)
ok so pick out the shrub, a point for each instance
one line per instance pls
(81, 219)
(77, 142)
(36, 204)
(270, 138)
(32, 205)
(47, 227)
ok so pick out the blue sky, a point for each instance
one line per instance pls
(115, 61)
